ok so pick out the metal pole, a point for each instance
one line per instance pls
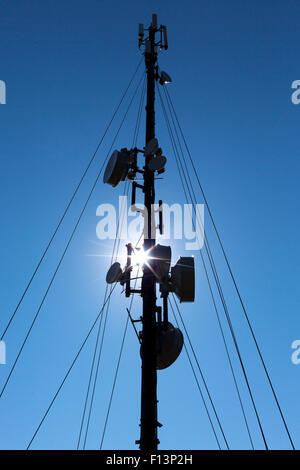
(148, 438)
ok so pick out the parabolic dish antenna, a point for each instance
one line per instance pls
(169, 343)
(164, 78)
(151, 147)
(169, 346)
(116, 168)
(157, 163)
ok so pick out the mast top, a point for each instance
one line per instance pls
(162, 29)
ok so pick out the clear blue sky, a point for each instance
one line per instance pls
(65, 65)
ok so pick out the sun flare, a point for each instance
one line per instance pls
(139, 257)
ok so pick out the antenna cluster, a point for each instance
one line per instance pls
(162, 43)
(123, 165)
(180, 279)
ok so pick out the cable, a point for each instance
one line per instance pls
(201, 373)
(116, 373)
(135, 136)
(233, 279)
(67, 246)
(68, 205)
(115, 380)
(213, 268)
(95, 379)
(91, 374)
(98, 333)
(133, 326)
(105, 322)
(198, 385)
(227, 353)
(206, 245)
(68, 371)
(138, 120)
